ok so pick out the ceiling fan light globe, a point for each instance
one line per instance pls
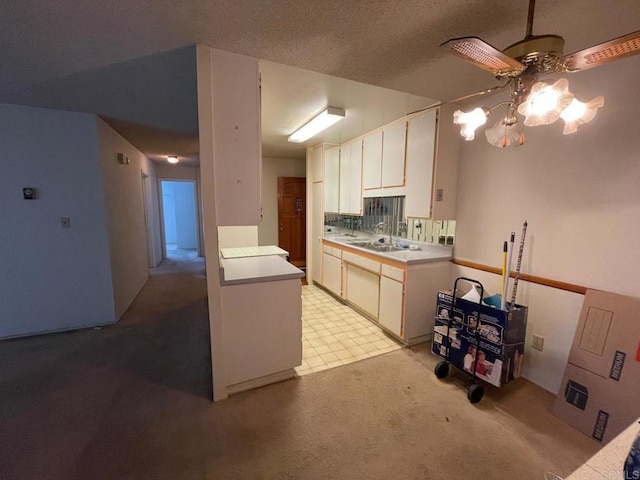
(470, 121)
(579, 113)
(545, 103)
(504, 134)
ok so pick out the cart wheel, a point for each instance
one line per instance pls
(475, 393)
(442, 369)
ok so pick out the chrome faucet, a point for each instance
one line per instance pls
(379, 227)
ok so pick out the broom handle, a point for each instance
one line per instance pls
(518, 265)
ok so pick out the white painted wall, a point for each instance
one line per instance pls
(581, 196)
(186, 231)
(272, 168)
(166, 171)
(52, 278)
(169, 212)
(123, 198)
(205, 66)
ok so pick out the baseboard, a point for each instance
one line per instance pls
(59, 330)
(261, 381)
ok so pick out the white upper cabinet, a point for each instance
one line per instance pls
(316, 164)
(345, 173)
(393, 154)
(230, 83)
(332, 179)
(355, 179)
(421, 140)
(372, 161)
(351, 178)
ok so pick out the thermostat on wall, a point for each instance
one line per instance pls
(29, 193)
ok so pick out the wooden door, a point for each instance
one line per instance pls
(292, 234)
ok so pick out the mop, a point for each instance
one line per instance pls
(518, 265)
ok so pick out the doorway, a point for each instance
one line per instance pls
(179, 218)
(292, 215)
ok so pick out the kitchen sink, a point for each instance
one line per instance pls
(359, 243)
(374, 246)
(383, 248)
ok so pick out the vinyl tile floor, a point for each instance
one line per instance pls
(333, 334)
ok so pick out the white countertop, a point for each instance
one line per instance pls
(608, 463)
(266, 268)
(257, 251)
(427, 253)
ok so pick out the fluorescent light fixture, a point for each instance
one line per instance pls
(173, 159)
(319, 123)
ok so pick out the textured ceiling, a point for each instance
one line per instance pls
(387, 43)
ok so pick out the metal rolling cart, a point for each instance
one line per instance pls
(483, 342)
(474, 390)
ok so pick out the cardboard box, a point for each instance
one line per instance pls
(498, 344)
(601, 384)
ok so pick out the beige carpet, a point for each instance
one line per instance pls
(131, 402)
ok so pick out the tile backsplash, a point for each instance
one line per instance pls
(385, 215)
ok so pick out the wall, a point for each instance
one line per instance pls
(169, 212)
(272, 168)
(125, 214)
(51, 278)
(185, 215)
(580, 196)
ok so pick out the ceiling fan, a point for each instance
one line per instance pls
(521, 64)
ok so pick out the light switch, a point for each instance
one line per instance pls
(65, 222)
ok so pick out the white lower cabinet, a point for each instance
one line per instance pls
(362, 289)
(332, 273)
(391, 301)
(399, 298)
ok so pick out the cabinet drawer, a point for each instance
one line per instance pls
(393, 272)
(336, 252)
(371, 265)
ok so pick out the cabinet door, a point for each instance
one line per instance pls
(316, 164)
(317, 226)
(235, 104)
(355, 179)
(331, 179)
(391, 297)
(393, 155)
(421, 139)
(362, 289)
(372, 161)
(332, 273)
(345, 178)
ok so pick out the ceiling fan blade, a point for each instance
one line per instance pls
(606, 52)
(483, 55)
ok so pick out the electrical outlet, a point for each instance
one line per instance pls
(538, 342)
(439, 195)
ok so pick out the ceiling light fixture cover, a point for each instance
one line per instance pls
(470, 121)
(319, 123)
(173, 159)
(545, 103)
(578, 113)
(507, 132)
